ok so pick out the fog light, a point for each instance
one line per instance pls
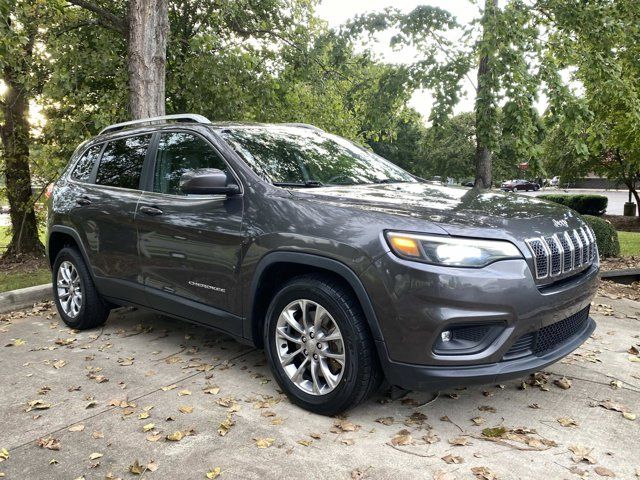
(446, 336)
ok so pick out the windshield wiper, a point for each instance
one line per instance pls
(305, 184)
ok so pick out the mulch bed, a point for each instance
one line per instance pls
(624, 224)
(621, 263)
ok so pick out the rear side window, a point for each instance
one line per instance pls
(179, 153)
(84, 167)
(121, 164)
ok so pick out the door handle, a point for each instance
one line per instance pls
(152, 211)
(83, 201)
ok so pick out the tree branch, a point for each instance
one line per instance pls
(106, 18)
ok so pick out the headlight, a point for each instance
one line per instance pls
(451, 251)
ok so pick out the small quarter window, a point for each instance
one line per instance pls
(179, 153)
(122, 160)
(84, 167)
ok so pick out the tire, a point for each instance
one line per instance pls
(514, 189)
(93, 310)
(360, 374)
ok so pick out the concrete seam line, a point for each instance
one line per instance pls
(97, 414)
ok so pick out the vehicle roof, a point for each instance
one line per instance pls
(218, 126)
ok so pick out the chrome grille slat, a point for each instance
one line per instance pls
(563, 253)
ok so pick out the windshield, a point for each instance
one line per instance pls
(290, 156)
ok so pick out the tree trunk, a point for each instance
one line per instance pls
(147, 56)
(484, 102)
(15, 141)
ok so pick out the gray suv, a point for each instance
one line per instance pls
(346, 269)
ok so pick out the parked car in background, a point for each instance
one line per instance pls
(555, 181)
(514, 185)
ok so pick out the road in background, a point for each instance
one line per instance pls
(617, 198)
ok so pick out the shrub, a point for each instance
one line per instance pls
(583, 204)
(606, 236)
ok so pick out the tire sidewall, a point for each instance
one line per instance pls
(312, 291)
(69, 255)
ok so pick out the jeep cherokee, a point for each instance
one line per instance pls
(345, 268)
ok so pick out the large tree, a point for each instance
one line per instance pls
(145, 26)
(20, 28)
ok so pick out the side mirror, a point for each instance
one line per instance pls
(207, 181)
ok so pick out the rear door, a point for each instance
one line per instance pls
(106, 217)
(189, 244)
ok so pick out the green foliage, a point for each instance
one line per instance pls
(583, 204)
(450, 148)
(606, 236)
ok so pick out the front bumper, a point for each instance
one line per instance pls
(418, 377)
(415, 302)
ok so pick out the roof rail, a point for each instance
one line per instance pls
(181, 117)
(304, 125)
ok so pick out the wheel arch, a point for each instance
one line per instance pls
(60, 237)
(285, 265)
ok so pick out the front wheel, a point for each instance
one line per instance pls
(79, 303)
(319, 347)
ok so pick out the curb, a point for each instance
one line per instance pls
(627, 275)
(24, 297)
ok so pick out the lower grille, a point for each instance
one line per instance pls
(549, 337)
(553, 335)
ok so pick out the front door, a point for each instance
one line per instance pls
(189, 244)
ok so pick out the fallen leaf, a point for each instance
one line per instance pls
(148, 426)
(49, 443)
(95, 456)
(37, 405)
(564, 383)
(212, 391)
(214, 473)
(143, 416)
(345, 426)
(184, 392)
(567, 422)
(91, 404)
(152, 466)
(629, 415)
(453, 459)
(4, 454)
(305, 443)
(264, 442)
(59, 364)
(175, 436)
(385, 420)
(225, 426)
(403, 437)
(615, 406)
(604, 472)
(581, 454)
(494, 432)
(136, 468)
(478, 420)
(169, 387)
(186, 409)
(459, 441)
(484, 473)
(97, 435)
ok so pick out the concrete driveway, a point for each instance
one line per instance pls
(168, 400)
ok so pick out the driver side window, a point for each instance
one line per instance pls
(179, 153)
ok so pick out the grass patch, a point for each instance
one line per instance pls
(14, 279)
(26, 272)
(629, 244)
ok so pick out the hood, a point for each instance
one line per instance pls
(459, 211)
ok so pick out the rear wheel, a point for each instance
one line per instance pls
(319, 347)
(79, 303)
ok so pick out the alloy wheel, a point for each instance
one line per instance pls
(310, 347)
(69, 289)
